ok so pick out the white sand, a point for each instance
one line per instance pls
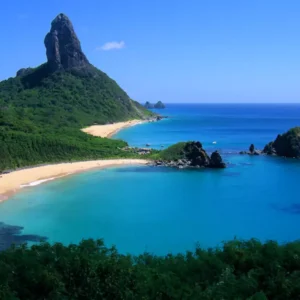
(12, 182)
(109, 129)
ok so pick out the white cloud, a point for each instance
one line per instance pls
(111, 46)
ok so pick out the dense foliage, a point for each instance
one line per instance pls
(173, 152)
(19, 149)
(41, 115)
(237, 270)
(287, 144)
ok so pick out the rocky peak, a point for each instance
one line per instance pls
(63, 47)
(24, 71)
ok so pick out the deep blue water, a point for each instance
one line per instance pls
(233, 126)
(162, 210)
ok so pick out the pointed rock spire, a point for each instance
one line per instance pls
(63, 48)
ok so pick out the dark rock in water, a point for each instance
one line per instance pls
(252, 151)
(216, 161)
(192, 155)
(194, 152)
(159, 105)
(24, 71)
(63, 48)
(287, 144)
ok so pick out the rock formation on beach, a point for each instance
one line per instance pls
(189, 154)
(287, 144)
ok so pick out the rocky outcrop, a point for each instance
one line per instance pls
(287, 144)
(269, 149)
(194, 156)
(216, 161)
(159, 105)
(252, 151)
(63, 48)
(24, 71)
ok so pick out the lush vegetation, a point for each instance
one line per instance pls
(238, 270)
(19, 149)
(173, 152)
(287, 144)
(41, 115)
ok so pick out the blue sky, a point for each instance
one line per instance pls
(169, 50)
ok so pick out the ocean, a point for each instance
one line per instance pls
(161, 210)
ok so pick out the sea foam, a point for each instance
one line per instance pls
(34, 183)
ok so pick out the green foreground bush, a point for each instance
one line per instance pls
(237, 270)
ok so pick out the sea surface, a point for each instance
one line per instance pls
(163, 210)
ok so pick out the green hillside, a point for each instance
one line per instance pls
(42, 110)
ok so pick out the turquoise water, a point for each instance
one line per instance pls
(164, 210)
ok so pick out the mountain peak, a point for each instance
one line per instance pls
(63, 47)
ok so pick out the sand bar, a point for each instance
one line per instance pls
(12, 182)
(110, 129)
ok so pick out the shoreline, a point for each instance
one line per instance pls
(12, 182)
(108, 130)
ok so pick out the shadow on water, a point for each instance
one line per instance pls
(10, 234)
(291, 209)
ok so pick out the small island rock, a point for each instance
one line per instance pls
(189, 155)
(216, 160)
(159, 105)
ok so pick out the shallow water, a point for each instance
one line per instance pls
(163, 210)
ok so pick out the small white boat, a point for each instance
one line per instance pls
(214, 142)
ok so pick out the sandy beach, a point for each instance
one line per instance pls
(110, 129)
(12, 182)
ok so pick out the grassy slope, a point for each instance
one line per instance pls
(41, 115)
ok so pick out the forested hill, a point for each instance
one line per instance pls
(46, 106)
